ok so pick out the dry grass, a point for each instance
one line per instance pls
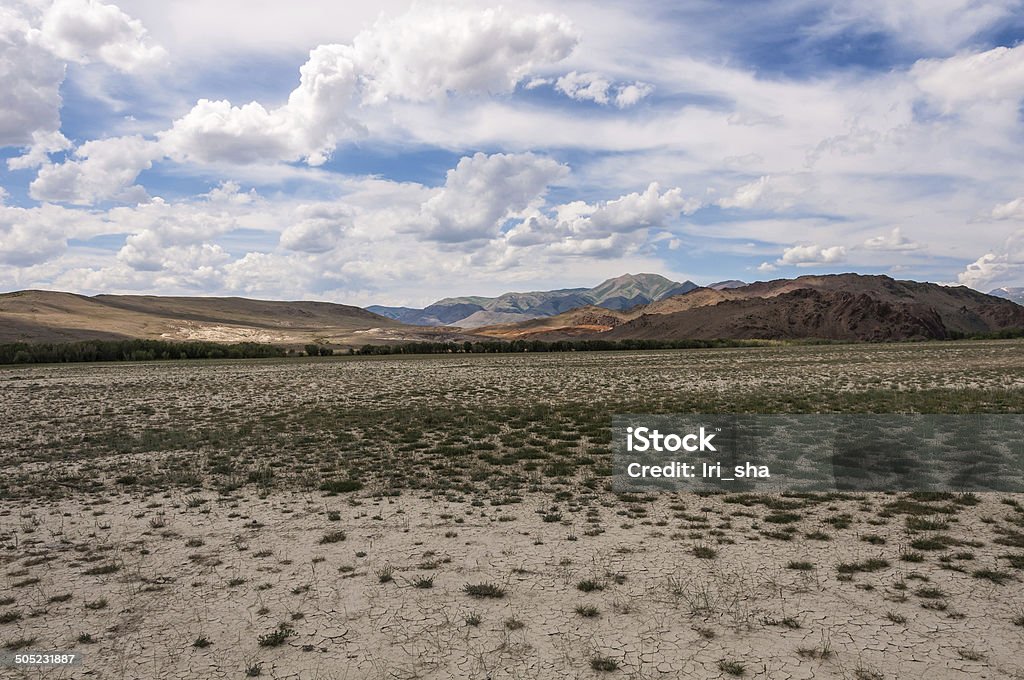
(258, 518)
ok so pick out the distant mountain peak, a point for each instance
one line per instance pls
(727, 284)
(642, 276)
(619, 293)
(1014, 294)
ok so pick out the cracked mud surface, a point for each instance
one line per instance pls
(661, 611)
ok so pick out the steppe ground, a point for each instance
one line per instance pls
(451, 517)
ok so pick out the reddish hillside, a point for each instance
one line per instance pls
(840, 307)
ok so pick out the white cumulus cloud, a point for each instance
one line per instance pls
(1001, 266)
(748, 195)
(631, 93)
(810, 255)
(44, 143)
(1011, 210)
(29, 236)
(578, 222)
(31, 78)
(483, 191)
(426, 54)
(163, 233)
(307, 127)
(423, 55)
(317, 229)
(37, 40)
(893, 241)
(597, 88)
(973, 78)
(83, 31)
(101, 169)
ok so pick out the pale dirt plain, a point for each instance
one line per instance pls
(197, 520)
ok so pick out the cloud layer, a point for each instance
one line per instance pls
(533, 145)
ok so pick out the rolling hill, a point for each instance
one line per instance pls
(48, 316)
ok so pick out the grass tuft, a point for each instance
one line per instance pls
(484, 590)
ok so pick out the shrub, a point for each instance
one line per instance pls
(341, 485)
(997, 577)
(918, 523)
(782, 518)
(732, 667)
(10, 617)
(869, 565)
(333, 537)
(930, 593)
(276, 637)
(705, 552)
(19, 643)
(939, 542)
(484, 590)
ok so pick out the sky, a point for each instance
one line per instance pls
(400, 152)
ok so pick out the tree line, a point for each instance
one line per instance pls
(151, 350)
(131, 350)
(516, 346)
(1004, 334)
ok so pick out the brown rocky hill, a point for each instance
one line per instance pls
(839, 307)
(574, 323)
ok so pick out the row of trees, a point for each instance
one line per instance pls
(502, 346)
(1005, 334)
(131, 350)
(149, 350)
(318, 351)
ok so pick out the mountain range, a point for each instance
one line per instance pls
(620, 293)
(641, 306)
